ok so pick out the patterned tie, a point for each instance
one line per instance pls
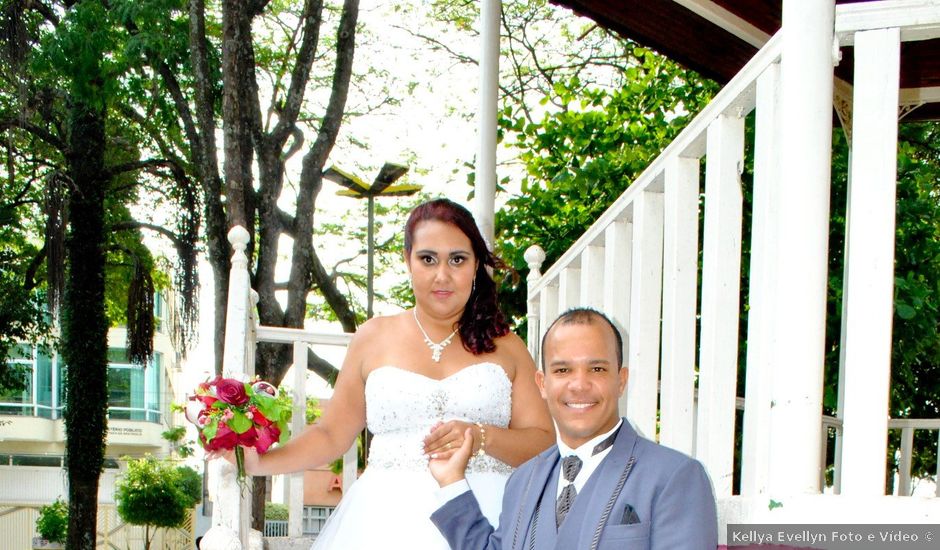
(570, 466)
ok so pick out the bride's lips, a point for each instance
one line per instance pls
(442, 293)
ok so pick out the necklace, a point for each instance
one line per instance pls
(436, 347)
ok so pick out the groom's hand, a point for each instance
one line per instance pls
(449, 468)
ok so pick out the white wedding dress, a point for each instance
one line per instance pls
(390, 506)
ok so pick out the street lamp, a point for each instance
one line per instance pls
(381, 187)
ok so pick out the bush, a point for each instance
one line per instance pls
(53, 521)
(275, 511)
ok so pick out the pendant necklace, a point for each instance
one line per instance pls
(436, 347)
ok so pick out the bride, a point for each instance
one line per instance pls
(419, 379)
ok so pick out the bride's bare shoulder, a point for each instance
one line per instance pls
(381, 328)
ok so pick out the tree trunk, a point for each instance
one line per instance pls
(85, 324)
(205, 154)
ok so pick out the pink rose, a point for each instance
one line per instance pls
(231, 391)
(267, 436)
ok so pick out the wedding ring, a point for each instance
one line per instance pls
(447, 446)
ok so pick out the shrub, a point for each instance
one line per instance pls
(275, 511)
(53, 521)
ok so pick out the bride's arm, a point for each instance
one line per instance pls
(530, 428)
(343, 419)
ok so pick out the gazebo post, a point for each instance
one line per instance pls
(485, 185)
(803, 227)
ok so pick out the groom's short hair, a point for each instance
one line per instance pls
(585, 316)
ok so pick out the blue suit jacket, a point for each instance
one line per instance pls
(641, 496)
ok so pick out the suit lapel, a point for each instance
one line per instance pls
(532, 491)
(588, 507)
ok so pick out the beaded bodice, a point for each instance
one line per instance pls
(401, 407)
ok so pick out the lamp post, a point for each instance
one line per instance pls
(381, 187)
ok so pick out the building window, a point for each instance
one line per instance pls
(133, 391)
(159, 312)
(38, 371)
(315, 517)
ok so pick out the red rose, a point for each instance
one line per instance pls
(248, 438)
(206, 400)
(258, 418)
(224, 439)
(267, 436)
(231, 391)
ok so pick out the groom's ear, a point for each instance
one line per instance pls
(540, 381)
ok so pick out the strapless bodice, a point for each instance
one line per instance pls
(401, 407)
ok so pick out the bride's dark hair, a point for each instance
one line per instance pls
(482, 321)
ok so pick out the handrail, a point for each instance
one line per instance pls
(737, 96)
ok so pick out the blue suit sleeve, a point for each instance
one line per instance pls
(464, 525)
(684, 515)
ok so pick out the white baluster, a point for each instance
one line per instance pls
(534, 256)
(680, 285)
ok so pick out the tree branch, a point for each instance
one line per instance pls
(138, 165)
(287, 117)
(39, 132)
(134, 224)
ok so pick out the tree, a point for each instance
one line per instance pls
(156, 494)
(66, 76)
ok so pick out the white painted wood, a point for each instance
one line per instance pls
(904, 463)
(761, 327)
(937, 475)
(283, 335)
(680, 288)
(802, 252)
(727, 20)
(721, 276)
(350, 467)
(231, 511)
(548, 310)
(237, 314)
(534, 256)
(918, 19)
(569, 288)
(919, 96)
(868, 301)
(618, 254)
(592, 276)
(645, 307)
(485, 183)
(737, 98)
(298, 422)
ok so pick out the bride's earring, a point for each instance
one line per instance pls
(473, 286)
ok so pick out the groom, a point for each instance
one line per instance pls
(602, 485)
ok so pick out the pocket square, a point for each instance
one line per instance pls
(629, 516)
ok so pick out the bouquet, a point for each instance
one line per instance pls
(231, 414)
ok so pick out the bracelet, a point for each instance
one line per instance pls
(482, 450)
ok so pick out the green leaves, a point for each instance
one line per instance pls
(157, 492)
(579, 158)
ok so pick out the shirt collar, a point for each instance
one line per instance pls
(586, 450)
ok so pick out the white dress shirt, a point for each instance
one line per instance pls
(589, 461)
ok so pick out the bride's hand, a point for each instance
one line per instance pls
(450, 468)
(250, 454)
(446, 437)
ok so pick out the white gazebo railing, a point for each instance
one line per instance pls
(640, 263)
(231, 513)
